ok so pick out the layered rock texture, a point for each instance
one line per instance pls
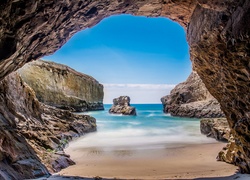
(230, 152)
(217, 33)
(191, 99)
(121, 105)
(61, 86)
(33, 133)
(217, 128)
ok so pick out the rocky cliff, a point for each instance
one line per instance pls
(121, 105)
(218, 33)
(33, 134)
(61, 86)
(191, 99)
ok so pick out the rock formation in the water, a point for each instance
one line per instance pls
(121, 105)
(217, 128)
(191, 99)
(218, 33)
(33, 133)
(61, 86)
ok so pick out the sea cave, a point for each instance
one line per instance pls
(218, 36)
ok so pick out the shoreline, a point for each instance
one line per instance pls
(186, 162)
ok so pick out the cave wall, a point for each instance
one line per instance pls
(18, 160)
(33, 135)
(219, 42)
(217, 32)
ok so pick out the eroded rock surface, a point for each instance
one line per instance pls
(191, 99)
(33, 133)
(219, 42)
(217, 128)
(63, 87)
(229, 152)
(121, 105)
(217, 32)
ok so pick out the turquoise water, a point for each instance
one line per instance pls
(150, 129)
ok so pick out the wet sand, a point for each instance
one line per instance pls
(186, 162)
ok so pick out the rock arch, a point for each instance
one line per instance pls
(217, 32)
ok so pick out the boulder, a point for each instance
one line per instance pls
(121, 105)
(191, 99)
(62, 87)
(230, 152)
(217, 128)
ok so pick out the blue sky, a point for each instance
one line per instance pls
(128, 50)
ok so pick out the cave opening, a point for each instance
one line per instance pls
(217, 32)
(143, 58)
(130, 55)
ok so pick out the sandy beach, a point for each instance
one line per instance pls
(186, 162)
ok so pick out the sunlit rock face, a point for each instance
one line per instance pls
(63, 87)
(33, 133)
(217, 32)
(191, 99)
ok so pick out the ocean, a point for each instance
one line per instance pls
(150, 129)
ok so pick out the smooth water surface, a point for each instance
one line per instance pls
(150, 129)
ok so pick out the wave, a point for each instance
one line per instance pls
(155, 115)
(150, 111)
(151, 128)
(116, 115)
(139, 138)
(134, 123)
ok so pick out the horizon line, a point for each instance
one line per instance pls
(132, 103)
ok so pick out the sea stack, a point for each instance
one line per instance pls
(121, 105)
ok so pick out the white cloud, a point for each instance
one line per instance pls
(139, 93)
